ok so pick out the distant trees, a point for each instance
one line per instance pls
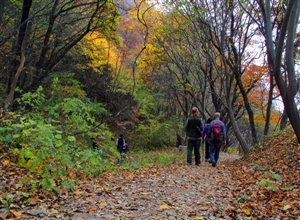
(204, 49)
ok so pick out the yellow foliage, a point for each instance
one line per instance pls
(100, 50)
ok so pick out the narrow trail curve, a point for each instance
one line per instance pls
(166, 192)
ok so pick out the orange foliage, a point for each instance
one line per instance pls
(256, 79)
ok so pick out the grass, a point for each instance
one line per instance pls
(159, 157)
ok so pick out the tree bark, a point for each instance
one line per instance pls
(1, 10)
(15, 63)
(24, 22)
(269, 106)
(10, 96)
(237, 132)
(283, 121)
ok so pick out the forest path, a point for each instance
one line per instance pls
(263, 185)
(160, 192)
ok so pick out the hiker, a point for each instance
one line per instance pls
(95, 147)
(206, 138)
(120, 143)
(94, 144)
(217, 137)
(194, 128)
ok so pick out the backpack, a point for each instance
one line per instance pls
(120, 142)
(216, 132)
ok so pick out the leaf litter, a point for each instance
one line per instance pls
(263, 185)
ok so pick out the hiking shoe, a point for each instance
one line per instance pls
(214, 164)
(189, 164)
(198, 164)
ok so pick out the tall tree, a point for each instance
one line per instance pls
(288, 83)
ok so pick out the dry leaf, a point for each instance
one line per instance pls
(6, 162)
(102, 204)
(54, 211)
(77, 192)
(192, 214)
(92, 209)
(164, 206)
(286, 207)
(247, 211)
(17, 214)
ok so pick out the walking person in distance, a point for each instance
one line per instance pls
(120, 143)
(194, 128)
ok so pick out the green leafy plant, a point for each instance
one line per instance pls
(269, 183)
(243, 198)
(52, 139)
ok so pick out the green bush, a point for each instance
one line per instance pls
(52, 139)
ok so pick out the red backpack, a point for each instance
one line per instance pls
(216, 131)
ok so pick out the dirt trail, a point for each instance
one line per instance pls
(263, 185)
(167, 192)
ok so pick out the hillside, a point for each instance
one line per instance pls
(265, 185)
(267, 182)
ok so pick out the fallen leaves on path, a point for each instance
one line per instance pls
(265, 185)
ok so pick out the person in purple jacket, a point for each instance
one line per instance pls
(205, 135)
(217, 137)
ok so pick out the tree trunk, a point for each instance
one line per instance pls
(237, 132)
(24, 22)
(283, 121)
(15, 64)
(288, 93)
(236, 68)
(1, 10)
(10, 96)
(269, 106)
(247, 106)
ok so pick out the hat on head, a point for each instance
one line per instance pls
(218, 114)
(194, 109)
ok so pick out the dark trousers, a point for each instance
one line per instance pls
(214, 151)
(206, 150)
(120, 149)
(193, 145)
